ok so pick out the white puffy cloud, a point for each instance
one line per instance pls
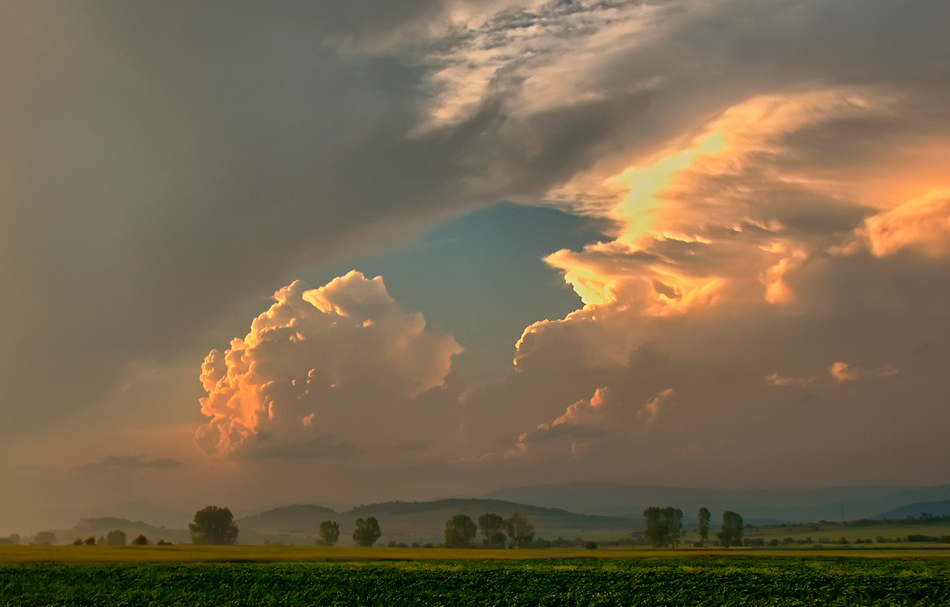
(318, 364)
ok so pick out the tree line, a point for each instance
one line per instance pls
(460, 531)
(664, 527)
(215, 526)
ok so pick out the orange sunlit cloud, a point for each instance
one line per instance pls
(315, 351)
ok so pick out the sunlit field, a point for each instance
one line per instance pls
(685, 578)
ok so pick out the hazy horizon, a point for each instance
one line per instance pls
(376, 251)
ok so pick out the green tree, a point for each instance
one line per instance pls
(731, 534)
(140, 541)
(213, 526)
(366, 532)
(329, 533)
(519, 530)
(673, 520)
(115, 537)
(459, 531)
(656, 531)
(90, 541)
(704, 517)
(492, 527)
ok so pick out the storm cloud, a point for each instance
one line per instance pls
(772, 276)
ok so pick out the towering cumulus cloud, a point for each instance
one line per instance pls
(317, 363)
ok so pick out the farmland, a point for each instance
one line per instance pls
(308, 576)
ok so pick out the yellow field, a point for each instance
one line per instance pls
(231, 554)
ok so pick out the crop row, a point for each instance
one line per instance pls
(642, 582)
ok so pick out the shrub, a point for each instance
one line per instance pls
(590, 545)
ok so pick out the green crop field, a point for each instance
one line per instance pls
(741, 578)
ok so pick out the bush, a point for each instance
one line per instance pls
(773, 541)
(163, 543)
(590, 545)
(415, 544)
(140, 541)
(428, 545)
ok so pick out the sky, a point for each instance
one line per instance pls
(342, 253)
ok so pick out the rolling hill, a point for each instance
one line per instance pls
(99, 527)
(423, 521)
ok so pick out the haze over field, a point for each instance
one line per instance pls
(342, 253)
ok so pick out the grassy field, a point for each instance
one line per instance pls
(686, 578)
(268, 554)
(815, 532)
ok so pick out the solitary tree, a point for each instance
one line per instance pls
(673, 519)
(656, 531)
(115, 537)
(731, 534)
(519, 530)
(329, 533)
(459, 531)
(366, 532)
(141, 540)
(213, 526)
(703, 525)
(90, 541)
(492, 527)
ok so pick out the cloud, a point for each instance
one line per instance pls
(843, 372)
(922, 224)
(317, 359)
(129, 464)
(775, 379)
(651, 409)
(584, 420)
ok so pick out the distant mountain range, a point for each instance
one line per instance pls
(588, 510)
(941, 508)
(424, 521)
(756, 505)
